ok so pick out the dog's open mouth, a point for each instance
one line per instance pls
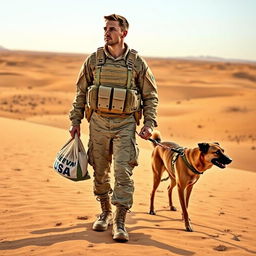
(217, 163)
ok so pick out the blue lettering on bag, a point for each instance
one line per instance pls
(67, 171)
(68, 162)
(60, 168)
(73, 164)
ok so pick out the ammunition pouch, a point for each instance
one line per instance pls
(113, 100)
(133, 101)
(92, 97)
(118, 100)
(104, 94)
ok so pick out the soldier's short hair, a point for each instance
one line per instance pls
(123, 23)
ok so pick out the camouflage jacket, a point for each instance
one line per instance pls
(144, 78)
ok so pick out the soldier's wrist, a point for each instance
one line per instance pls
(150, 124)
(76, 123)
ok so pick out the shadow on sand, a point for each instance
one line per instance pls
(87, 234)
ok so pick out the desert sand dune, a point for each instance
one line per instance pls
(44, 214)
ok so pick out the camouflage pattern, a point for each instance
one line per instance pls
(113, 136)
(142, 78)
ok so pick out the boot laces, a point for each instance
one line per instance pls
(103, 216)
(105, 206)
(121, 217)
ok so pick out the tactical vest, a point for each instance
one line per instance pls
(114, 90)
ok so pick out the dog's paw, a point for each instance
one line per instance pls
(172, 208)
(152, 212)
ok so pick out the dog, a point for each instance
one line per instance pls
(184, 167)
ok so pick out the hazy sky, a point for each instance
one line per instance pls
(166, 28)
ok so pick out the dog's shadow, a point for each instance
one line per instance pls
(162, 218)
(55, 235)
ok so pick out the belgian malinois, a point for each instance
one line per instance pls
(184, 167)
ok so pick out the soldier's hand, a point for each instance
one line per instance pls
(73, 130)
(145, 132)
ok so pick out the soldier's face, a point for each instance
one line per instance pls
(113, 33)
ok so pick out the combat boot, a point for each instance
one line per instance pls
(105, 218)
(119, 231)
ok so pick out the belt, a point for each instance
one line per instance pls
(107, 114)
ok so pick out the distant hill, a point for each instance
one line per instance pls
(215, 59)
(2, 49)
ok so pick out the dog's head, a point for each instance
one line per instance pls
(215, 154)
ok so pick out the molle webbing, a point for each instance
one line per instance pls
(101, 59)
(130, 62)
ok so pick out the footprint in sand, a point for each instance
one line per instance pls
(82, 217)
(220, 248)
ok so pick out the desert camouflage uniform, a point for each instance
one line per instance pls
(115, 135)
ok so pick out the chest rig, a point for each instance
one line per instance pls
(114, 90)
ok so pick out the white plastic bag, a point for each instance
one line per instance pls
(71, 161)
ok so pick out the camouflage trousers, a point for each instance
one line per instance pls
(113, 137)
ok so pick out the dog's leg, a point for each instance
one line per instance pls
(152, 195)
(170, 188)
(188, 193)
(183, 207)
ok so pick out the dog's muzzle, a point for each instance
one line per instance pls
(221, 161)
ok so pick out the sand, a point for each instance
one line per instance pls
(45, 214)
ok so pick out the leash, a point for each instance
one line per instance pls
(158, 143)
(177, 150)
(180, 151)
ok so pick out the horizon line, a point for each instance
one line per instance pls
(191, 58)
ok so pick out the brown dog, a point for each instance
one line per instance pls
(184, 167)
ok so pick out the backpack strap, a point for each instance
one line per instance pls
(100, 61)
(130, 62)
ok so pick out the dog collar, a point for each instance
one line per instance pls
(181, 151)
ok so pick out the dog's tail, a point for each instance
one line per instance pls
(157, 137)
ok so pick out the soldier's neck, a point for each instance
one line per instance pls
(116, 50)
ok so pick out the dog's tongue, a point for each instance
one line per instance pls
(222, 165)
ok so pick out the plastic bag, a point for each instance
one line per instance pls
(71, 161)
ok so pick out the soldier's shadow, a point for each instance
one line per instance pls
(87, 234)
(50, 236)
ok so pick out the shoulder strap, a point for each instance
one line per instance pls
(100, 61)
(100, 56)
(131, 58)
(130, 62)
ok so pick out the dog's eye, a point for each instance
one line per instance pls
(217, 152)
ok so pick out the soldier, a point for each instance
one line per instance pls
(114, 87)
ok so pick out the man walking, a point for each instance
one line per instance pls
(115, 86)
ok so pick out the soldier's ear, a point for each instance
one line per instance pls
(203, 147)
(125, 32)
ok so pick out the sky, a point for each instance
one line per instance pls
(158, 28)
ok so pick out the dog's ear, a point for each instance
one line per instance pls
(217, 143)
(203, 147)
